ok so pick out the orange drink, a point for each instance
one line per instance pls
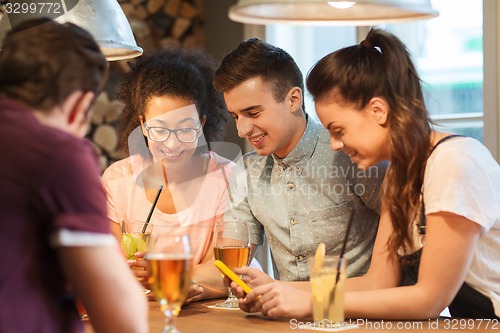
(169, 277)
(232, 256)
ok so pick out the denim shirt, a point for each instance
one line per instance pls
(307, 198)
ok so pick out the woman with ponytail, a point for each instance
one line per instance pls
(440, 186)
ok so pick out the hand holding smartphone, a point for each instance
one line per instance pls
(232, 276)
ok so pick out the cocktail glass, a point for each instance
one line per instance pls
(135, 238)
(328, 284)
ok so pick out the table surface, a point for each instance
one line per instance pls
(199, 318)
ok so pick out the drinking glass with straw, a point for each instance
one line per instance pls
(328, 276)
(136, 235)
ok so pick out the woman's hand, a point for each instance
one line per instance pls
(194, 293)
(139, 267)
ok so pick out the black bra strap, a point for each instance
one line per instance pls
(446, 138)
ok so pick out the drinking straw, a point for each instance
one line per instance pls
(227, 186)
(152, 209)
(342, 251)
(164, 170)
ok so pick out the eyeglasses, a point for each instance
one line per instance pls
(160, 134)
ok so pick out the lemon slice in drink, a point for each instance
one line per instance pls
(129, 245)
(141, 242)
(316, 284)
(319, 256)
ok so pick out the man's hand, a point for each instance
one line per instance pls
(278, 300)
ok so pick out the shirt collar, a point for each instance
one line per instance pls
(303, 150)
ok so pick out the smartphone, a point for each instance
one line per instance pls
(232, 276)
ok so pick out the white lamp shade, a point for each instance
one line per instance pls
(322, 12)
(103, 19)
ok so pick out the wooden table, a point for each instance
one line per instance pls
(198, 318)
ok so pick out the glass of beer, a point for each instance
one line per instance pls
(328, 284)
(232, 247)
(170, 267)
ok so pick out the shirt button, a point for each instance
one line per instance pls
(300, 258)
(293, 222)
(291, 186)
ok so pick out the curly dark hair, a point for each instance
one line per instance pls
(177, 72)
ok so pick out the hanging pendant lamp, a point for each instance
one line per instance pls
(322, 12)
(103, 19)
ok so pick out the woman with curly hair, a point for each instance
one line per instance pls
(172, 113)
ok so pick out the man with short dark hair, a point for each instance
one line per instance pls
(53, 222)
(293, 188)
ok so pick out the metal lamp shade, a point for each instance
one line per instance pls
(104, 19)
(322, 12)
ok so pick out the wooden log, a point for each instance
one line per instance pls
(128, 9)
(154, 6)
(143, 35)
(181, 25)
(171, 8)
(140, 28)
(105, 137)
(115, 109)
(141, 12)
(187, 10)
(100, 109)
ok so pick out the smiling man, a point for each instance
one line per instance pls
(293, 188)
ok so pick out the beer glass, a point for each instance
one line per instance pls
(232, 247)
(170, 267)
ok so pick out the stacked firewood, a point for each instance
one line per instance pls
(103, 130)
(158, 24)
